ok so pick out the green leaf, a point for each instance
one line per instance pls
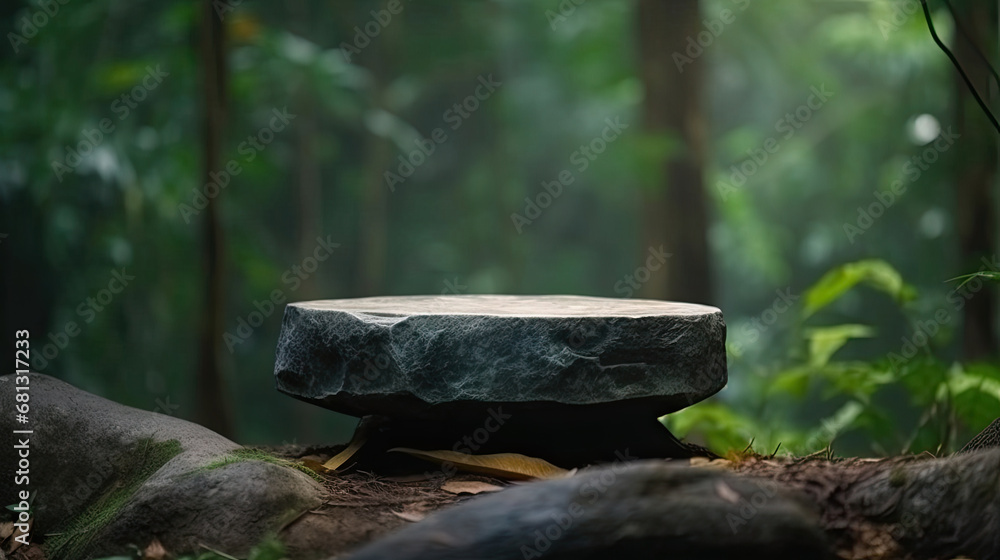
(874, 272)
(962, 381)
(793, 381)
(860, 380)
(825, 341)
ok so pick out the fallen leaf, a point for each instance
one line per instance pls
(706, 463)
(154, 551)
(512, 466)
(700, 461)
(413, 512)
(469, 487)
(6, 529)
(314, 465)
(727, 493)
(366, 426)
(339, 459)
(14, 543)
(410, 516)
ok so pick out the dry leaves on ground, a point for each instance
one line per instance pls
(509, 466)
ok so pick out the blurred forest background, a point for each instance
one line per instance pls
(815, 169)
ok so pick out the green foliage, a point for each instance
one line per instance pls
(825, 341)
(872, 272)
(904, 401)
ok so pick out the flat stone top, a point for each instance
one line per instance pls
(438, 357)
(500, 305)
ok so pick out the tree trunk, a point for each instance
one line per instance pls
(373, 226)
(212, 403)
(675, 215)
(975, 177)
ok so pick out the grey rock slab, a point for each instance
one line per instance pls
(431, 357)
(138, 474)
(638, 510)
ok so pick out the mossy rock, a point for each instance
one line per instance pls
(109, 477)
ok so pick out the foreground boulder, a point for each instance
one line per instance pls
(643, 510)
(108, 476)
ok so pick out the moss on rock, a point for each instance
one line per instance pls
(253, 454)
(143, 459)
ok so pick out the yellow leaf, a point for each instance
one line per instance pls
(314, 465)
(366, 426)
(339, 459)
(512, 466)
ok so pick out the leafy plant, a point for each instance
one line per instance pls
(908, 401)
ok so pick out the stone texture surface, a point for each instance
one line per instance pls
(430, 356)
(84, 449)
(640, 510)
